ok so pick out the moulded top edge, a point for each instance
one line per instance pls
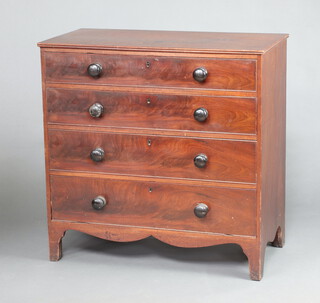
(165, 41)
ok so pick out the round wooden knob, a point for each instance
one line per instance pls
(201, 210)
(96, 110)
(99, 202)
(94, 70)
(201, 114)
(97, 155)
(200, 160)
(200, 74)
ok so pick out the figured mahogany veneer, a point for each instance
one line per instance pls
(143, 70)
(161, 111)
(147, 183)
(154, 205)
(153, 155)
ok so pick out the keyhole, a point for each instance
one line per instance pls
(148, 101)
(150, 190)
(149, 142)
(148, 64)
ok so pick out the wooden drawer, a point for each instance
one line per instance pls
(153, 155)
(137, 110)
(152, 204)
(132, 70)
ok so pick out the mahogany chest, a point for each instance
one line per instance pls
(175, 135)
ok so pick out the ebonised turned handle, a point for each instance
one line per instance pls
(201, 114)
(200, 160)
(200, 74)
(95, 70)
(97, 155)
(99, 202)
(96, 110)
(201, 210)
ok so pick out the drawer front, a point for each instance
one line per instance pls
(155, 205)
(142, 70)
(136, 110)
(153, 155)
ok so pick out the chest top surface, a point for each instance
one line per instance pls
(174, 41)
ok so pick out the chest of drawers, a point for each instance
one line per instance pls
(175, 135)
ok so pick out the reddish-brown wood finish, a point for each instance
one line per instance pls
(192, 182)
(154, 205)
(122, 233)
(152, 187)
(271, 156)
(140, 110)
(164, 71)
(153, 155)
(272, 144)
(165, 41)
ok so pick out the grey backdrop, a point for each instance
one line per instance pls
(95, 270)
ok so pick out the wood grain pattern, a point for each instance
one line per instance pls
(156, 132)
(270, 157)
(192, 42)
(273, 132)
(153, 53)
(148, 175)
(127, 234)
(166, 156)
(195, 182)
(169, 112)
(184, 91)
(150, 204)
(120, 69)
(273, 150)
